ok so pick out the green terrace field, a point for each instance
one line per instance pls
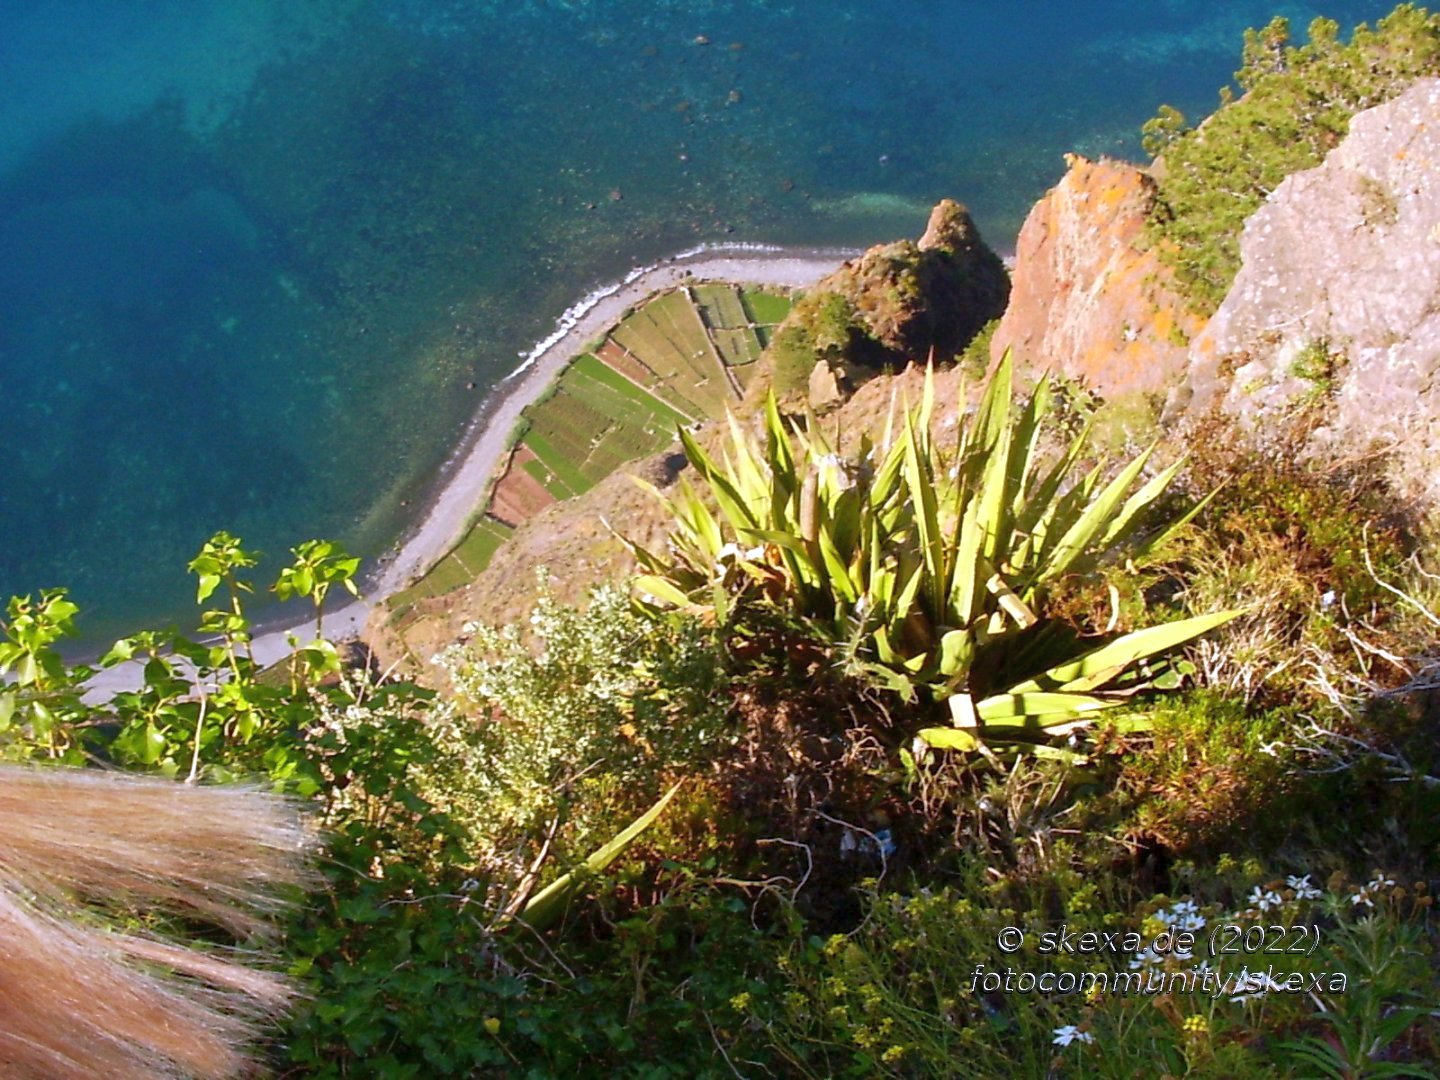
(731, 327)
(461, 566)
(668, 337)
(674, 360)
(681, 357)
(595, 421)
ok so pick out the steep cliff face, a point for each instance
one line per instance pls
(1335, 316)
(1087, 298)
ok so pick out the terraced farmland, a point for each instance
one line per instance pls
(740, 322)
(683, 356)
(458, 568)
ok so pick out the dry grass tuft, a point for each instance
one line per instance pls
(78, 999)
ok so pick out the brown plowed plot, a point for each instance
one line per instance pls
(625, 364)
(518, 496)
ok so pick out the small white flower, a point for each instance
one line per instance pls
(1381, 882)
(1265, 899)
(1068, 1034)
(1249, 985)
(1303, 889)
(1184, 915)
(1328, 600)
(1362, 897)
(1146, 958)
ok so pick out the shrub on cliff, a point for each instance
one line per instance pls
(895, 303)
(1297, 104)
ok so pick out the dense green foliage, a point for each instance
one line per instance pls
(821, 327)
(1296, 105)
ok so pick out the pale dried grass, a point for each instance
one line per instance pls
(79, 999)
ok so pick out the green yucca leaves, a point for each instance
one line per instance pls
(546, 906)
(921, 564)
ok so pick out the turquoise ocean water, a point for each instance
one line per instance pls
(253, 252)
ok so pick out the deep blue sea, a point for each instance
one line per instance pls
(252, 252)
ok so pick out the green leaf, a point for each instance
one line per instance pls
(303, 581)
(731, 503)
(957, 650)
(546, 906)
(921, 491)
(1098, 666)
(1043, 705)
(949, 738)
(1096, 516)
(1163, 537)
(662, 589)
(208, 584)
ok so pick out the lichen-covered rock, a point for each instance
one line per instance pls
(1089, 299)
(1335, 314)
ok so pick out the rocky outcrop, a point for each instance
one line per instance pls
(911, 298)
(895, 304)
(1334, 317)
(1088, 298)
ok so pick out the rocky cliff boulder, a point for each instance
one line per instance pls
(1334, 318)
(895, 304)
(1088, 298)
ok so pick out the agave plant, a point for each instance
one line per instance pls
(929, 570)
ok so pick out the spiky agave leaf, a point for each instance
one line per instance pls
(908, 566)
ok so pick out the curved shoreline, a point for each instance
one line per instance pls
(450, 511)
(466, 475)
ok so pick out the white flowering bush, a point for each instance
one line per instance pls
(596, 702)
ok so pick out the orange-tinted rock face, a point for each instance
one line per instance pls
(1085, 299)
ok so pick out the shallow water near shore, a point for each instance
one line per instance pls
(257, 253)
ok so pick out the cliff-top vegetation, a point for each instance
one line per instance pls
(1295, 105)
